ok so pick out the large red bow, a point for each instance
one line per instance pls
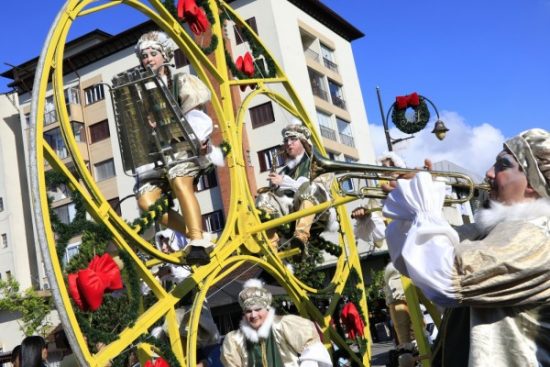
(159, 362)
(352, 320)
(246, 66)
(410, 100)
(88, 285)
(189, 11)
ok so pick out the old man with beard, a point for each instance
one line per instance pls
(493, 276)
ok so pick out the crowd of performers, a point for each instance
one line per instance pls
(492, 278)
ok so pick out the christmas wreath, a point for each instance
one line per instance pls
(421, 113)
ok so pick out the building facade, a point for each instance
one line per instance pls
(310, 42)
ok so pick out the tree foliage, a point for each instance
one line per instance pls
(32, 307)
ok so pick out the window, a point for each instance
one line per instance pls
(239, 33)
(261, 115)
(1, 204)
(49, 111)
(328, 58)
(115, 204)
(180, 59)
(269, 156)
(207, 181)
(78, 130)
(348, 185)
(99, 131)
(70, 251)
(8, 274)
(317, 84)
(65, 213)
(4, 240)
(94, 94)
(104, 170)
(72, 96)
(344, 130)
(55, 140)
(325, 122)
(213, 222)
(336, 94)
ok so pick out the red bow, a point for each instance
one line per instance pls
(352, 320)
(410, 100)
(246, 66)
(189, 11)
(159, 362)
(88, 285)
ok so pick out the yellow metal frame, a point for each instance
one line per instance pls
(243, 240)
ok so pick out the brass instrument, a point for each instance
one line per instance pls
(320, 165)
(273, 169)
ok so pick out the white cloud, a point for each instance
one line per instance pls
(469, 146)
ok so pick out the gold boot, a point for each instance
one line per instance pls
(303, 225)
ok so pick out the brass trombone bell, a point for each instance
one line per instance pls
(320, 165)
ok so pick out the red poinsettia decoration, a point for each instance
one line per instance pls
(410, 100)
(88, 286)
(159, 362)
(246, 66)
(352, 320)
(190, 12)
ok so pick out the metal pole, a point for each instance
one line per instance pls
(384, 121)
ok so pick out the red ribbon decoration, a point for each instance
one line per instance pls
(88, 285)
(410, 100)
(352, 320)
(190, 12)
(159, 362)
(246, 66)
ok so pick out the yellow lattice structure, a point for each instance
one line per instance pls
(244, 238)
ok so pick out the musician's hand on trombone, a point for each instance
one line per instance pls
(388, 187)
(275, 179)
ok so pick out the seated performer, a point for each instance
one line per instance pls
(291, 189)
(493, 275)
(264, 339)
(155, 49)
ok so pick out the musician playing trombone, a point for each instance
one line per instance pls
(494, 275)
(291, 189)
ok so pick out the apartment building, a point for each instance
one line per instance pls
(311, 43)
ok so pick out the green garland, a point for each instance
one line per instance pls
(171, 8)
(422, 115)
(157, 209)
(257, 51)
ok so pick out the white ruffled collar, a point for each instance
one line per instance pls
(487, 219)
(263, 332)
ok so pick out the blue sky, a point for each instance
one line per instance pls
(485, 64)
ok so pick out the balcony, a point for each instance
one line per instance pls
(319, 92)
(338, 101)
(312, 55)
(347, 140)
(50, 117)
(329, 64)
(327, 132)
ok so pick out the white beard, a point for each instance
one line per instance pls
(487, 219)
(263, 331)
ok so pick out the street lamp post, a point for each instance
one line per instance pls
(440, 130)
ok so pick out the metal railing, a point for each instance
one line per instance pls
(312, 55)
(319, 92)
(327, 132)
(347, 140)
(331, 65)
(338, 101)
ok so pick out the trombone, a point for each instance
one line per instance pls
(320, 165)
